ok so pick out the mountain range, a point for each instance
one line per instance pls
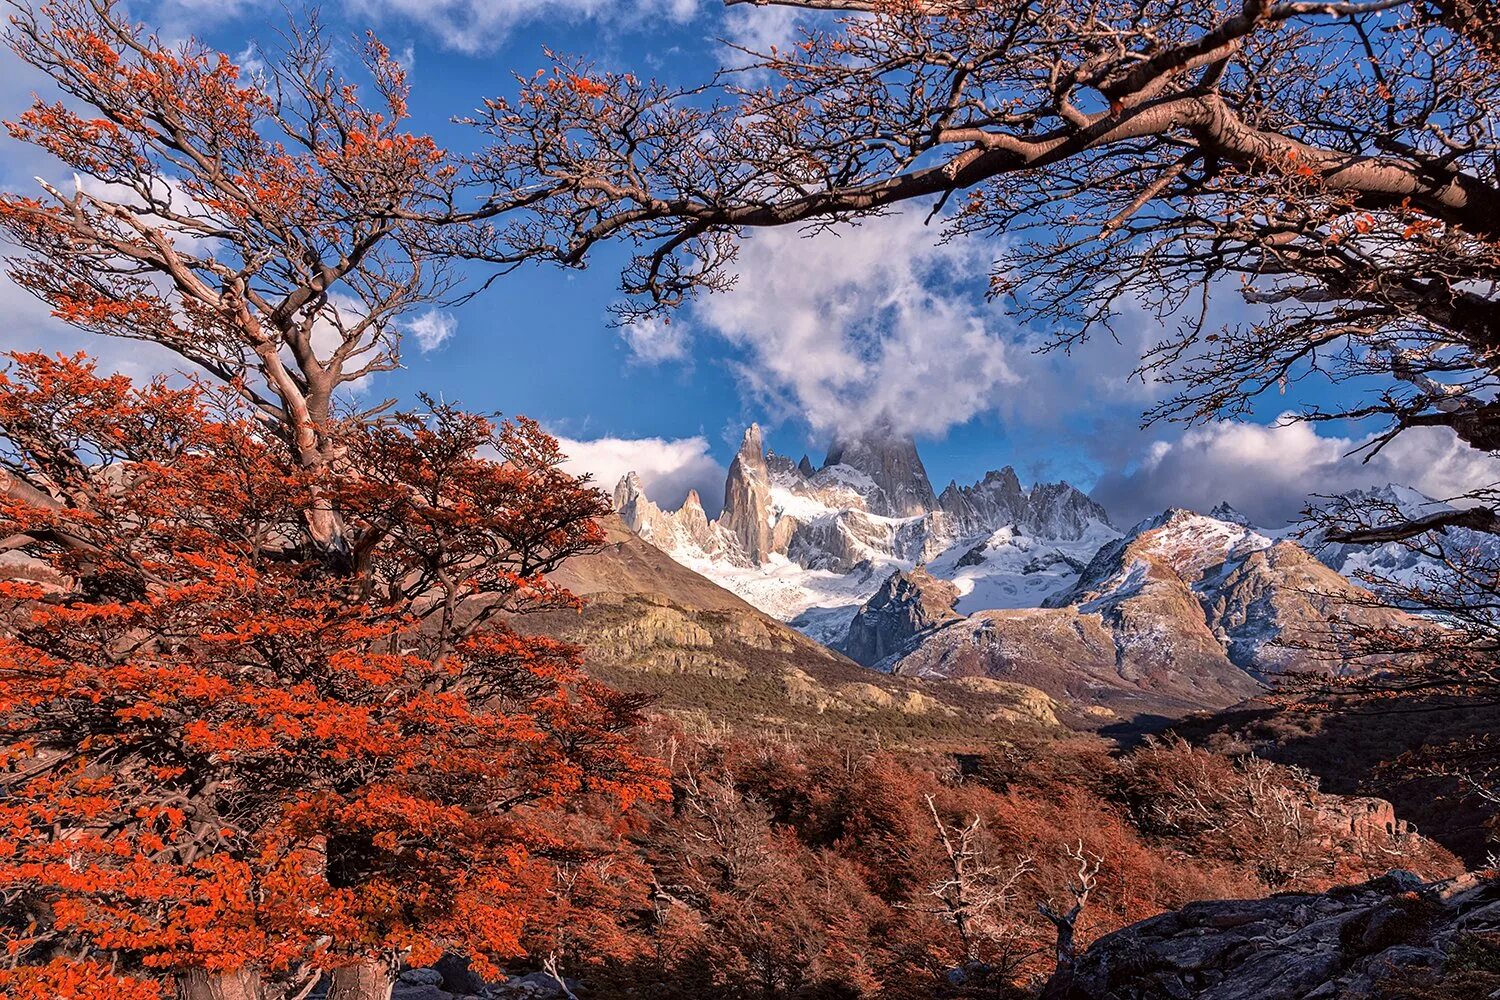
(1034, 586)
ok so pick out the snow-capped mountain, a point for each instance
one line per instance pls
(1184, 611)
(810, 544)
(1029, 585)
(1394, 564)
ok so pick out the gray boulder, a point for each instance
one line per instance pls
(1314, 946)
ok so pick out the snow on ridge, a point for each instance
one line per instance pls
(1003, 547)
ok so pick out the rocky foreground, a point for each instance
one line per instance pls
(1384, 938)
(1372, 940)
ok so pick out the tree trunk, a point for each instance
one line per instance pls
(204, 984)
(370, 979)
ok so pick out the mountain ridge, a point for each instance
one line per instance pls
(1032, 585)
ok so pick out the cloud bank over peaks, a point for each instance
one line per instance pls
(1270, 471)
(668, 467)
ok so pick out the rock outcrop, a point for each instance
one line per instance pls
(1346, 943)
(1224, 511)
(904, 607)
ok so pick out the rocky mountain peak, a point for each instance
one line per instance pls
(748, 514)
(752, 444)
(628, 489)
(1224, 511)
(806, 467)
(1049, 510)
(891, 462)
(1060, 510)
(1004, 479)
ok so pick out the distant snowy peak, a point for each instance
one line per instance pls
(685, 530)
(1225, 512)
(1049, 510)
(793, 538)
(1392, 566)
(1179, 542)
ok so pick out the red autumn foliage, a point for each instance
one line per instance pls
(786, 868)
(223, 751)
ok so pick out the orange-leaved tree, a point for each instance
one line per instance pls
(268, 229)
(265, 715)
(225, 764)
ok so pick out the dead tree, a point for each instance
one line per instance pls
(973, 888)
(1080, 887)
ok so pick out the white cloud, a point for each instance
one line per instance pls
(668, 467)
(477, 26)
(432, 329)
(653, 341)
(759, 29)
(1269, 472)
(863, 321)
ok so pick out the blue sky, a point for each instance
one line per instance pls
(818, 334)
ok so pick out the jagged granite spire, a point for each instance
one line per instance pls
(748, 514)
(891, 461)
(995, 500)
(1225, 511)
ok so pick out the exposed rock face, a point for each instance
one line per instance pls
(1057, 510)
(688, 527)
(1049, 510)
(1185, 612)
(1346, 943)
(1272, 608)
(995, 500)
(637, 510)
(905, 606)
(747, 498)
(1225, 512)
(1260, 604)
(840, 541)
(749, 514)
(891, 462)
